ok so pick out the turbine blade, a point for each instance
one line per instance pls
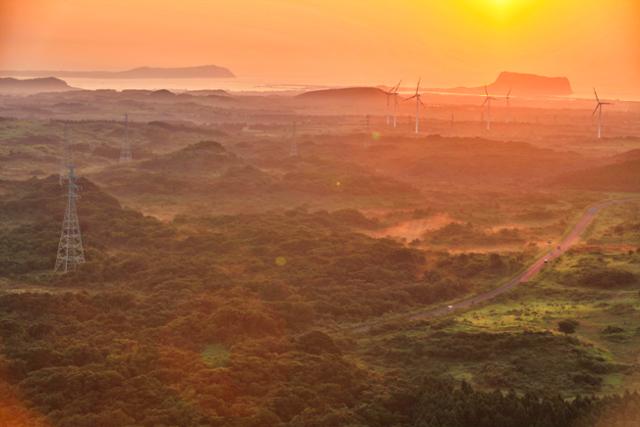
(486, 91)
(596, 94)
(418, 87)
(596, 110)
(390, 90)
(410, 98)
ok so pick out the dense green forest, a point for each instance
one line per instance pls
(237, 320)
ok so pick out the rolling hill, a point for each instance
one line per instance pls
(619, 177)
(349, 94)
(204, 157)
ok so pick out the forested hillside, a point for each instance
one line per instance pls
(231, 321)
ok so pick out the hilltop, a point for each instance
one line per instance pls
(203, 157)
(627, 155)
(620, 177)
(351, 94)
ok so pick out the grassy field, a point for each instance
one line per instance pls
(618, 225)
(515, 342)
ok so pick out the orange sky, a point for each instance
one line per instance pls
(447, 42)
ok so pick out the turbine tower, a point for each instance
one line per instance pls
(487, 104)
(293, 150)
(599, 111)
(392, 94)
(70, 250)
(419, 102)
(388, 95)
(508, 100)
(125, 149)
(395, 104)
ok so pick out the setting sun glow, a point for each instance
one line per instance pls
(307, 213)
(333, 41)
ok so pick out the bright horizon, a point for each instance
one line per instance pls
(458, 42)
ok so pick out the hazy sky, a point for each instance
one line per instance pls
(447, 42)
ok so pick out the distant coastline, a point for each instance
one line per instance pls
(198, 72)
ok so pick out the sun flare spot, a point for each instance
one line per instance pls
(500, 3)
(500, 11)
(502, 7)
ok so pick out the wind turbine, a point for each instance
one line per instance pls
(395, 104)
(487, 104)
(392, 94)
(599, 111)
(419, 102)
(388, 94)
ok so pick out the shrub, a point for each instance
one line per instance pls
(567, 326)
(612, 330)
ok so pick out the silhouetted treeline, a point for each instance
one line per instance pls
(443, 404)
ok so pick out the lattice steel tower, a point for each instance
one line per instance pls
(70, 250)
(125, 149)
(293, 151)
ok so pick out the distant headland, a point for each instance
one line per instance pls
(28, 86)
(520, 84)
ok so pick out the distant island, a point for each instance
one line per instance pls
(198, 72)
(520, 84)
(30, 86)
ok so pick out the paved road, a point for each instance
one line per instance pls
(567, 242)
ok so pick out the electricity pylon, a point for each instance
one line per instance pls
(70, 250)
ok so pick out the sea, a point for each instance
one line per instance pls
(258, 86)
(242, 85)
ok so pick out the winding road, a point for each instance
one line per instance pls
(567, 242)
